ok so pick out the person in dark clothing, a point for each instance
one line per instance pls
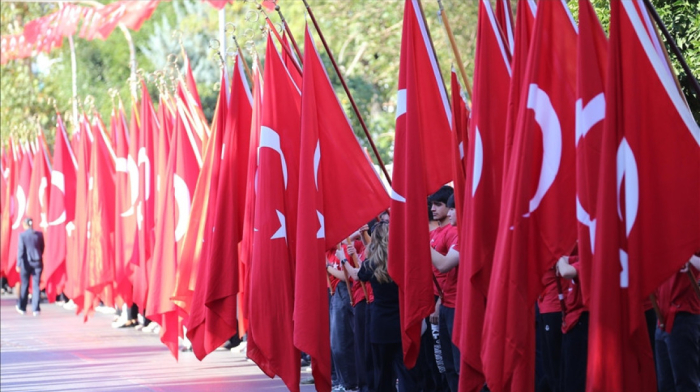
(385, 325)
(30, 252)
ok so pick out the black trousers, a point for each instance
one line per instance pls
(574, 356)
(363, 350)
(678, 355)
(551, 348)
(35, 272)
(388, 366)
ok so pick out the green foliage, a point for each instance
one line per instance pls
(364, 37)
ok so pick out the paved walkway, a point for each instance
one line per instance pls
(58, 352)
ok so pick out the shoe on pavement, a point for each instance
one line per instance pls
(20, 311)
(37, 313)
(307, 381)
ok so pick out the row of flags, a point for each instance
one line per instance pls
(45, 33)
(202, 225)
(571, 139)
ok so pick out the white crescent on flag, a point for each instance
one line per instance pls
(547, 118)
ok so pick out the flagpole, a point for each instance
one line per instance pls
(289, 32)
(455, 50)
(74, 74)
(347, 92)
(222, 29)
(674, 47)
(271, 27)
(240, 52)
(356, 264)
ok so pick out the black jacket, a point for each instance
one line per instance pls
(30, 248)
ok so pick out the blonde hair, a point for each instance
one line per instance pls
(377, 252)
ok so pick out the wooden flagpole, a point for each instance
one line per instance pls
(455, 50)
(347, 92)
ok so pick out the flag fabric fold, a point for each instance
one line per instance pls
(647, 187)
(537, 220)
(423, 126)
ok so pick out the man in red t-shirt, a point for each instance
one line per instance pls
(445, 258)
(678, 331)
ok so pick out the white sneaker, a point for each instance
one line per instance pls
(156, 330)
(70, 305)
(150, 327)
(20, 311)
(35, 314)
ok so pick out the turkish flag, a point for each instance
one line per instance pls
(138, 12)
(460, 140)
(213, 319)
(10, 173)
(181, 174)
(100, 265)
(291, 62)
(21, 197)
(423, 124)
(504, 19)
(331, 159)
(126, 196)
(590, 113)
(218, 4)
(524, 26)
(61, 210)
(77, 232)
(647, 212)
(537, 223)
(145, 210)
(271, 295)
(246, 253)
(199, 230)
(482, 192)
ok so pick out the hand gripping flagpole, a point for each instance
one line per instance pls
(356, 264)
(676, 51)
(347, 278)
(455, 51)
(347, 91)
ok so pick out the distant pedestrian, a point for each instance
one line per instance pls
(30, 251)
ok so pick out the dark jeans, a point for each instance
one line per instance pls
(678, 355)
(342, 337)
(431, 378)
(551, 348)
(363, 350)
(450, 352)
(574, 347)
(388, 360)
(35, 272)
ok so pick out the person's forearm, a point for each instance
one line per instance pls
(337, 274)
(695, 262)
(565, 269)
(351, 270)
(444, 263)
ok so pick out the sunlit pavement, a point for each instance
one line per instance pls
(58, 352)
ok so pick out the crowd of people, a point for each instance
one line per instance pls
(365, 327)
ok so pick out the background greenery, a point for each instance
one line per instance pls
(364, 36)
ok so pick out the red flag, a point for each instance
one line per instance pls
(126, 196)
(590, 113)
(479, 222)
(460, 139)
(143, 241)
(99, 267)
(198, 235)
(180, 179)
(77, 232)
(213, 319)
(249, 215)
(218, 4)
(330, 159)
(138, 12)
(270, 337)
(21, 196)
(423, 119)
(11, 175)
(504, 18)
(524, 27)
(647, 190)
(537, 224)
(61, 210)
(291, 62)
